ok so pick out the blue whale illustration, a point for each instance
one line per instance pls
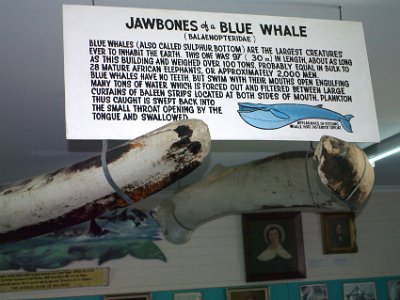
(274, 116)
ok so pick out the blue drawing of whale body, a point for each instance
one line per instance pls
(274, 116)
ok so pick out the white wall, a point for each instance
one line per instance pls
(214, 255)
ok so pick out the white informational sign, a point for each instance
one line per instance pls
(129, 71)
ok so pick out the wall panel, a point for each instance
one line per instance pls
(214, 256)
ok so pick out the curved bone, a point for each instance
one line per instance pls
(338, 178)
(81, 192)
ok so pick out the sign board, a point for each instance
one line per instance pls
(129, 71)
(24, 281)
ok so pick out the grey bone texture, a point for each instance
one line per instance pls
(336, 177)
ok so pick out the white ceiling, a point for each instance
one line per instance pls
(32, 123)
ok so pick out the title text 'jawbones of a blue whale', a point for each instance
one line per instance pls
(275, 116)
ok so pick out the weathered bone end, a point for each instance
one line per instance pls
(345, 169)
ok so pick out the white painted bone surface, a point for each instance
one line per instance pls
(148, 161)
(279, 182)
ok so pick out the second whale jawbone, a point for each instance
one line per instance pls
(338, 177)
